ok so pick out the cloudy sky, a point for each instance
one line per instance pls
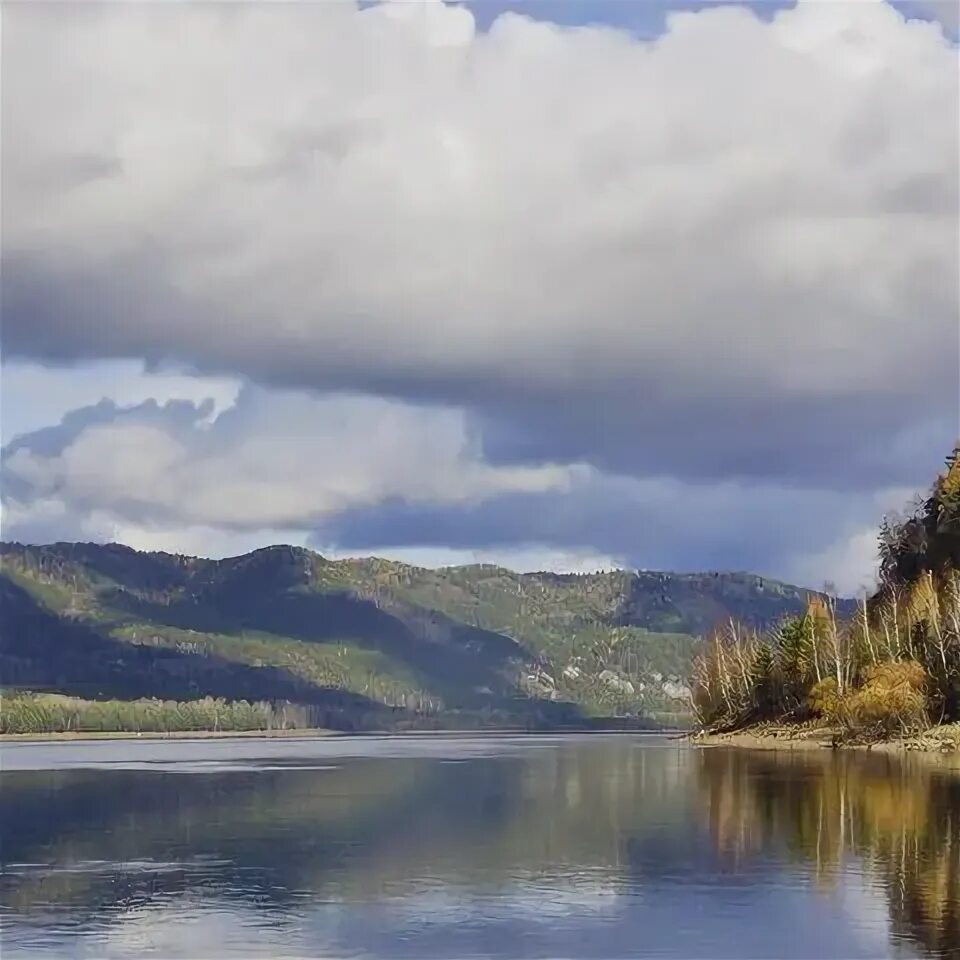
(558, 285)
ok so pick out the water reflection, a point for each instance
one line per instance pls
(900, 819)
(593, 847)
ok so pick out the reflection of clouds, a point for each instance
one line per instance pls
(533, 901)
(222, 755)
(582, 917)
(866, 909)
(546, 902)
(190, 928)
(606, 921)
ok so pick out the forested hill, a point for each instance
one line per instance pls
(362, 640)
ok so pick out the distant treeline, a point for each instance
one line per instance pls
(24, 711)
(27, 712)
(892, 669)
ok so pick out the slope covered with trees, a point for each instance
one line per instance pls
(893, 668)
(365, 642)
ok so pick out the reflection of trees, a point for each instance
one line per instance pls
(901, 819)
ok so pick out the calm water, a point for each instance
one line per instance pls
(595, 846)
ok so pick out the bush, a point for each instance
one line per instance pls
(891, 702)
(825, 701)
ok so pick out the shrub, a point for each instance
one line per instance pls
(825, 701)
(891, 702)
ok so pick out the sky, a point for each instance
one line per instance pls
(556, 285)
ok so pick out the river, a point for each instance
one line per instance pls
(594, 846)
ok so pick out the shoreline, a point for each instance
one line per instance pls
(70, 736)
(313, 733)
(941, 744)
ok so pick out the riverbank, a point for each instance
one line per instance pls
(942, 741)
(307, 734)
(67, 735)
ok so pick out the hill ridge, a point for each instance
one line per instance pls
(474, 639)
(298, 549)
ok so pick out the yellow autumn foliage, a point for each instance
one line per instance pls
(891, 701)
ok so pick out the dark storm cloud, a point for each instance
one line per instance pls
(652, 524)
(839, 442)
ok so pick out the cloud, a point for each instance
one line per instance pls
(530, 295)
(799, 535)
(715, 256)
(36, 396)
(946, 11)
(850, 564)
(351, 475)
(272, 461)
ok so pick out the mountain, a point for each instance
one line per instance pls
(364, 642)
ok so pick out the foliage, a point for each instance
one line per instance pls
(892, 701)
(888, 669)
(928, 538)
(26, 712)
(825, 700)
(763, 678)
(794, 642)
(725, 682)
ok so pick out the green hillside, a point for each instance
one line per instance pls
(363, 643)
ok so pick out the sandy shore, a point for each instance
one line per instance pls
(939, 743)
(762, 740)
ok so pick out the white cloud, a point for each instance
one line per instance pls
(676, 235)
(850, 564)
(273, 461)
(851, 560)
